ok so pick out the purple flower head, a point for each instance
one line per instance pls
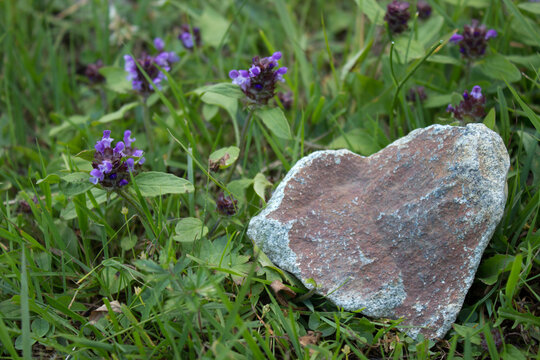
(259, 82)
(226, 205)
(418, 92)
(286, 99)
(397, 15)
(424, 10)
(111, 166)
(471, 108)
(149, 65)
(473, 41)
(159, 44)
(190, 37)
(93, 74)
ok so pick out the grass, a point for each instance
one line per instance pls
(86, 274)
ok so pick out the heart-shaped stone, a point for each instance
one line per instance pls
(399, 233)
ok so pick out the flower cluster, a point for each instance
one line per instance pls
(397, 15)
(226, 205)
(259, 82)
(149, 64)
(471, 108)
(424, 10)
(473, 42)
(190, 37)
(113, 165)
(418, 92)
(93, 74)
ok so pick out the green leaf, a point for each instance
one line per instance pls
(490, 269)
(154, 183)
(355, 60)
(471, 3)
(49, 179)
(408, 49)
(86, 155)
(213, 26)
(438, 101)
(260, 184)
(535, 119)
(40, 327)
(238, 189)
(225, 157)
(373, 10)
(114, 279)
(362, 142)
(128, 242)
(225, 89)
(72, 121)
(512, 353)
(519, 317)
(228, 103)
(75, 183)
(116, 79)
(117, 115)
(530, 7)
(275, 120)
(498, 67)
(489, 120)
(189, 230)
(513, 278)
(443, 59)
(429, 30)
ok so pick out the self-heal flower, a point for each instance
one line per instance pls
(112, 165)
(259, 82)
(473, 41)
(190, 37)
(397, 15)
(424, 9)
(149, 64)
(471, 108)
(226, 205)
(93, 74)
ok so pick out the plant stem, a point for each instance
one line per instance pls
(247, 122)
(147, 125)
(126, 196)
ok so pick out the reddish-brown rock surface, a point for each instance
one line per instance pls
(399, 233)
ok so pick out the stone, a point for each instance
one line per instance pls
(398, 234)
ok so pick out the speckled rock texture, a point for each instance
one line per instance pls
(399, 233)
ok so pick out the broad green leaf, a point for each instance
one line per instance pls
(510, 352)
(443, 59)
(527, 30)
(225, 89)
(72, 121)
(100, 195)
(472, 333)
(189, 230)
(435, 101)
(116, 79)
(238, 189)
(114, 279)
(529, 61)
(40, 327)
(530, 7)
(275, 120)
(489, 120)
(75, 183)
(213, 26)
(228, 103)
(86, 155)
(472, 3)
(429, 30)
(224, 157)
(117, 115)
(154, 183)
(49, 179)
(373, 10)
(408, 49)
(491, 268)
(260, 184)
(128, 242)
(362, 142)
(497, 66)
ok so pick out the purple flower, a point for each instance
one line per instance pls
(159, 44)
(190, 36)
(111, 166)
(418, 92)
(424, 10)
(397, 15)
(226, 205)
(471, 108)
(93, 74)
(149, 64)
(259, 82)
(473, 41)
